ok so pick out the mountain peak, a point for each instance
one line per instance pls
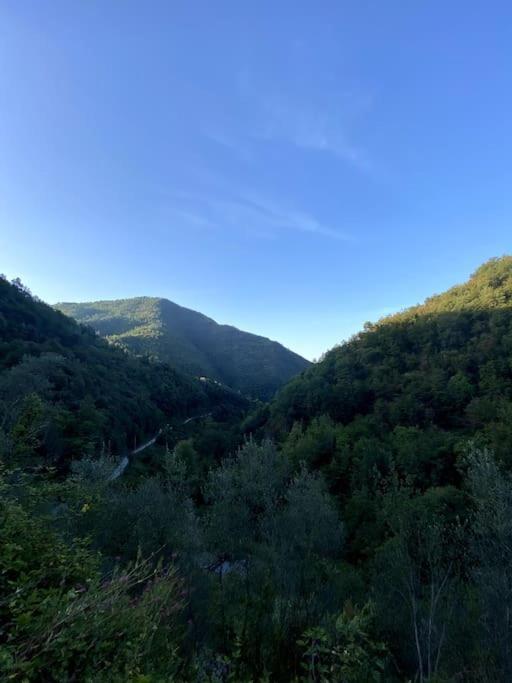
(191, 342)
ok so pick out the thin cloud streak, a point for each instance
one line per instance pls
(284, 217)
(230, 142)
(322, 125)
(312, 128)
(248, 212)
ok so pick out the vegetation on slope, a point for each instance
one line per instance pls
(393, 419)
(65, 393)
(369, 542)
(442, 370)
(192, 343)
(407, 393)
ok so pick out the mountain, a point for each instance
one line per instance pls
(446, 346)
(191, 342)
(82, 393)
(407, 394)
(369, 541)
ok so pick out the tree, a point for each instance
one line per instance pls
(62, 618)
(346, 653)
(491, 493)
(418, 571)
(273, 537)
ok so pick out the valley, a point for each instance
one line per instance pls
(364, 511)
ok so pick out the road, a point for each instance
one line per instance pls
(125, 460)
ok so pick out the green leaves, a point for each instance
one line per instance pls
(192, 343)
(62, 618)
(345, 653)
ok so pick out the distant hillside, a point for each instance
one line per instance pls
(83, 393)
(439, 363)
(191, 342)
(406, 394)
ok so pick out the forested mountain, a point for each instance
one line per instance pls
(410, 425)
(191, 342)
(66, 393)
(442, 369)
(356, 528)
(408, 392)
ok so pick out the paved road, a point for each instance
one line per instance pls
(125, 460)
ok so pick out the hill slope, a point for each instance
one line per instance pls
(66, 392)
(191, 342)
(406, 393)
(444, 347)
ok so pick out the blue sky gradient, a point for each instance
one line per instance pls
(294, 169)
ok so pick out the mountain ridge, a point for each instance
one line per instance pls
(422, 356)
(94, 394)
(191, 341)
(488, 287)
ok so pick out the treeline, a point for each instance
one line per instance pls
(140, 582)
(66, 393)
(192, 343)
(404, 396)
(361, 532)
(403, 407)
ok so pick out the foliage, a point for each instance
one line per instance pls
(441, 368)
(192, 343)
(345, 654)
(62, 620)
(65, 393)
(418, 572)
(491, 493)
(274, 538)
(387, 418)
(386, 488)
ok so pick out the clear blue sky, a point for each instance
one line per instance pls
(293, 168)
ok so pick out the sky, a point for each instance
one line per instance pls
(291, 168)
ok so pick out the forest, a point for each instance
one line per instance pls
(191, 342)
(356, 527)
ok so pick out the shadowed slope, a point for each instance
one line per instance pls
(89, 394)
(192, 342)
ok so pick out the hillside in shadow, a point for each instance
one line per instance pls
(192, 343)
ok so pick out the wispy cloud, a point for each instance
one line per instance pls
(314, 127)
(282, 217)
(227, 138)
(250, 213)
(323, 122)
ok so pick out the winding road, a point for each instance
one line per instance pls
(125, 460)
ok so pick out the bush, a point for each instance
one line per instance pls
(62, 620)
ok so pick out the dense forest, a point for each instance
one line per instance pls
(356, 528)
(192, 343)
